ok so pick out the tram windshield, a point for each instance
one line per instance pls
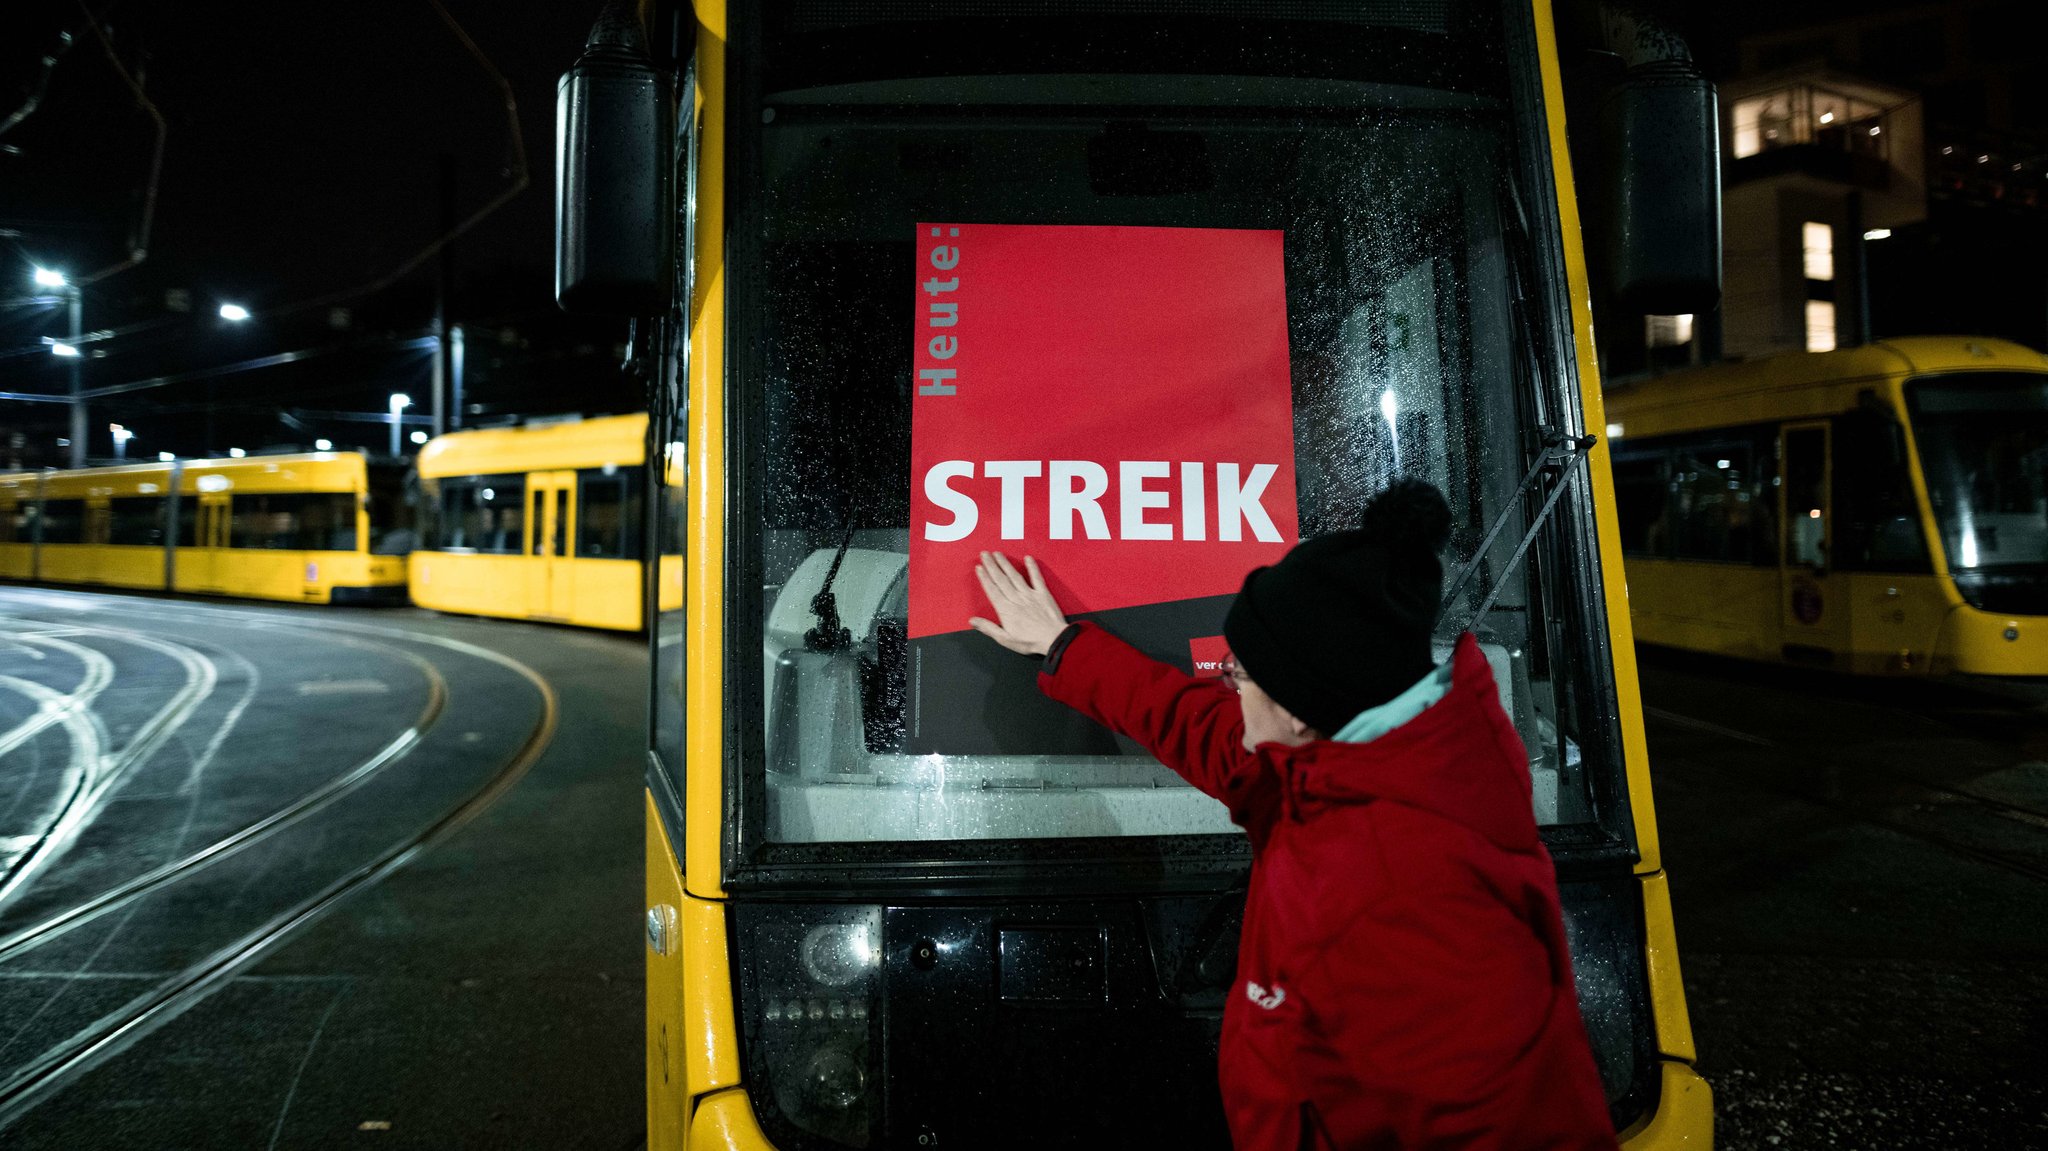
(1983, 439)
(1381, 153)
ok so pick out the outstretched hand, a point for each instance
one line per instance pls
(1028, 619)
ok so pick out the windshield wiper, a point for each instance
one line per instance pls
(1560, 451)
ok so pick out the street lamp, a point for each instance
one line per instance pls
(121, 437)
(235, 313)
(236, 453)
(399, 402)
(68, 349)
(165, 457)
(323, 445)
(417, 437)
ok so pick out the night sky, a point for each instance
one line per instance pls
(303, 159)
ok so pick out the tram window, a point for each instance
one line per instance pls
(63, 521)
(294, 521)
(481, 514)
(1713, 502)
(1878, 524)
(11, 523)
(1414, 303)
(188, 511)
(1983, 439)
(1641, 495)
(136, 521)
(608, 514)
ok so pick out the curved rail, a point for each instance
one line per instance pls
(116, 1031)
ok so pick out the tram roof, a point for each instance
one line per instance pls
(1801, 384)
(591, 443)
(301, 472)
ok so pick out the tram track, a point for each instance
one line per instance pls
(99, 672)
(306, 805)
(114, 1032)
(101, 774)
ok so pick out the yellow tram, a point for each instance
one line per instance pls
(543, 522)
(855, 944)
(320, 527)
(1880, 510)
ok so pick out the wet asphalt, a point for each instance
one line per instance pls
(1860, 877)
(1858, 872)
(485, 993)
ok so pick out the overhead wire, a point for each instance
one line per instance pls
(520, 177)
(520, 180)
(138, 244)
(41, 86)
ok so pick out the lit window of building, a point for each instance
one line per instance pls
(1820, 325)
(1667, 331)
(1817, 242)
(1805, 114)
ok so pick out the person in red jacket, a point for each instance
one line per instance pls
(1402, 979)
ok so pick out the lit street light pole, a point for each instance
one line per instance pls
(78, 413)
(121, 437)
(70, 350)
(399, 402)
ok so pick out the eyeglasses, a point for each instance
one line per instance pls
(1233, 675)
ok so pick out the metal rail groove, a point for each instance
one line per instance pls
(116, 1031)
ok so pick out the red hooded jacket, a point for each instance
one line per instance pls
(1402, 980)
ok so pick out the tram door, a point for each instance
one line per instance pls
(201, 557)
(551, 582)
(1813, 601)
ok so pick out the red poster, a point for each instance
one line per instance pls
(1111, 400)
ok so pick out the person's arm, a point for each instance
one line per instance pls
(1194, 726)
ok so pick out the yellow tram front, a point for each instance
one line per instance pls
(1880, 510)
(857, 941)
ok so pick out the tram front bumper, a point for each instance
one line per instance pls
(1977, 642)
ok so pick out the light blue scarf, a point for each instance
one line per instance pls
(1374, 722)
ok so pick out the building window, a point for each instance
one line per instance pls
(1762, 122)
(1820, 325)
(1667, 331)
(1804, 114)
(1818, 244)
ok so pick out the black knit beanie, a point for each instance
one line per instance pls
(1342, 623)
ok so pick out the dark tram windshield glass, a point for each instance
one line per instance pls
(1380, 149)
(1983, 439)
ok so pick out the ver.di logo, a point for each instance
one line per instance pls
(1266, 999)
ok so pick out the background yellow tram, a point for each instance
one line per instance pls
(1879, 510)
(322, 527)
(542, 522)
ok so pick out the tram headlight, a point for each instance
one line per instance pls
(836, 954)
(809, 995)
